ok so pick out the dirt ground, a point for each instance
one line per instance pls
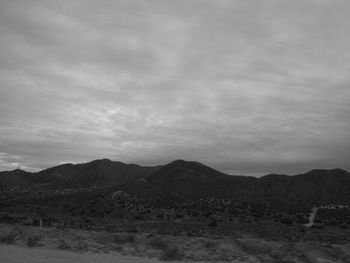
(17, 254)
(19, 244)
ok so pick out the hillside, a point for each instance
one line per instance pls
(193, 180)
(312, 188)
(180, 190)
(16, 178)
(184, 180)
(96, 173)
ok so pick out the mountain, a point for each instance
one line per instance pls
(184, 180)
(320, 186)
(96, 173)
(15, 178)
(315, 187)
(193, 180)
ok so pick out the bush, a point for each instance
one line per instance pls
(132, 229)
(118, 248)
(8, 219)
(225, 256)
(209, 244)
(33, 241)
(81, 246)
(158, 243)
(302, 229)
(64, 245)
(171, 254)
(213, 223)
(124, 238)
(9, 238)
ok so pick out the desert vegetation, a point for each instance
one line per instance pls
(240, 246)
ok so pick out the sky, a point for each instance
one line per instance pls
(247, 87)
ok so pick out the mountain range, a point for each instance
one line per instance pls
(190, 181)
(101, 173)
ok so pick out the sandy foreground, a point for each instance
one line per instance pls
(17, 254)
(19, 245)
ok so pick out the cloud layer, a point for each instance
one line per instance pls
(248, 87)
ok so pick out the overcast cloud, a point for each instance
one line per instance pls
(248, 87)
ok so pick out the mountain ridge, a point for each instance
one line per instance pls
(312, 171)
(182, 181)
(99, 172)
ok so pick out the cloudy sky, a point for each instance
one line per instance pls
(248, 87)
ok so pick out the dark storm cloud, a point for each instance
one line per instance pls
(245, 86)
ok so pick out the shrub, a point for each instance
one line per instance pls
(124, 238)
(63, 245)
(132, 229)
(158, 243)
(33, 241)
(209, 244)
(81, 246)
(160, 216)
(8, 219)
(9, 238)
(302, 229)
(139, 217)
(118, 248)
(171, 254)
(213, 223)
(225, 256)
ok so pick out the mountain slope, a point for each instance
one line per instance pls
(96, 173)
(183, 180)
(193, 180)
(320, 186)
(190, 180)
(15, 178)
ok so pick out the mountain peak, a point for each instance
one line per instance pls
(274, 176)
(180, 162)
(18, 170)
(339, 171)
(184, 163)
(104, 160)
(185, 170)
(336, 171)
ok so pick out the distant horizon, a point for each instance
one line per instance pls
(163, 164)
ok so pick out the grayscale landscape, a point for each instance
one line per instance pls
(178, 211)
(185, 131)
